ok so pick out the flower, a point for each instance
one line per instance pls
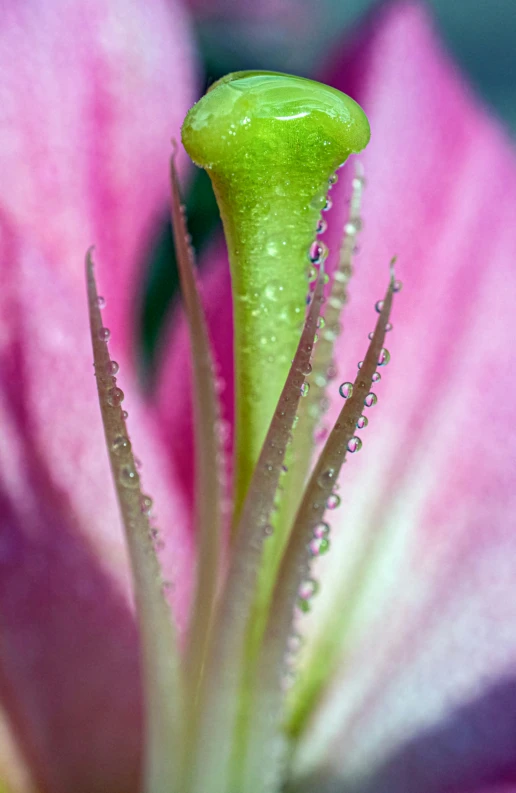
(415, 643)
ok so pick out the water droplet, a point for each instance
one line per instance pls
(370, 400)
(327, 477)
(294, 642)
(321, 322)
(104, 334)
(129, 476)
(268, 530)
(112, 368)
(321, 226)
(354, 444)
(305, 388)
(146, 504)
(321, 530)
(384, 357)
(319, 546)
(333, 179)
(360, 364)
(376, 377)
(333, 501)
(305, 593)
(121, 445)
(101, 301)
(362, 422)
(125, 414)
(388, 327)
(137, 462)
(346, 390)
(115, 397)
(327, 204)
(307, 369)
(379, 306)
(398, 286)
(312, 275)
(318, 252)
(370, 335)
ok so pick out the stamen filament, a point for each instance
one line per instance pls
(269, 699)
(163, 693)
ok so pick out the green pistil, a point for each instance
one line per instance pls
(269, 142)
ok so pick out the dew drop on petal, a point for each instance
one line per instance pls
(354, 444)
(346, 390)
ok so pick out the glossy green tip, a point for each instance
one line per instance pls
(269, 142)
(244, 114)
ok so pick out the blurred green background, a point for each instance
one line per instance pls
(297, 36)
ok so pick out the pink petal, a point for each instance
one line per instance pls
(425, 697)
(69, 676)
(91, 92)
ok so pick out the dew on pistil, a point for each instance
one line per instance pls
(104, 334)
(370, 400)
(146, 504)
(362, 422)
(318, 252)
(101, 302)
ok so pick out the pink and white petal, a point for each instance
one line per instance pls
(420, 572)
(91, 93)
(69, 673)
